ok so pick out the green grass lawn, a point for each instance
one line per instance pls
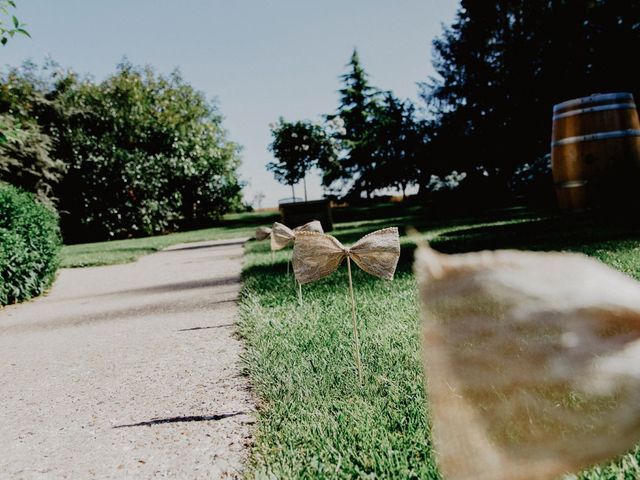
(122, 251)
(315, 421)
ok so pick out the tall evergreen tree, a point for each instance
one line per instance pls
(358, 100)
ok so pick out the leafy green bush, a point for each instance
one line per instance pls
(134, 155)
(27, 142)
(147, 154)
(29, 245)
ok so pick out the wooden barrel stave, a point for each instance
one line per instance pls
(573, 197)
(592, 160)
(595, 151)
(592, 122)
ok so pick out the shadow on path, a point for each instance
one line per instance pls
(205, 328)
(199, 247)
(193, 418)
(162, 288)
(149, 309)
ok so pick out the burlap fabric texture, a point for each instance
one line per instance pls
(318, 255)
(532, 362)
(262, 233)
(281, 235)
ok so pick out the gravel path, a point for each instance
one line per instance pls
(128, 371)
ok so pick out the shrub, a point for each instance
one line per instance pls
(29, 245)
(27, 153)
(146, 153)
(534, 181)
(137, 154)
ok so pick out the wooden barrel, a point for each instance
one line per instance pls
(595, 150)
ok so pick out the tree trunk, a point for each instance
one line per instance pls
(304, 183)
(293, 193)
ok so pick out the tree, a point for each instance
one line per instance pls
(298, 147)
(258, 198)
(398, 144)
(502, 66)
(27, 157)
(147, 153)
(9, 24)
(466, 99)
(358, 101)
(9, 127)
(136, 154)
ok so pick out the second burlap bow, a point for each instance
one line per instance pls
(281, 235)
(316, 255)
(262, 233)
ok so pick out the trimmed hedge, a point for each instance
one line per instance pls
(29, 245)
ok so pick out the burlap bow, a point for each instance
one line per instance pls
(262, 233)
(281, 235)
(317, 255)
(532, 362)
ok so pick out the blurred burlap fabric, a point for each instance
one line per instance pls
(262, 233)
(316, 255)
(281, 235)
(532, 362)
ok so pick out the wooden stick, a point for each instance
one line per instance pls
(292, 272)
(356, 340)
(300, 293)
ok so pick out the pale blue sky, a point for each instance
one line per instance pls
(261, 59)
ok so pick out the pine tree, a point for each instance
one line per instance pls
(358, 100)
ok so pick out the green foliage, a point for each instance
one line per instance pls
(398, 141)
(502, 65)
(9, 132)
(298, 147)
(535, 182)
(27, 138)
(9, 24)
(357, 108)
(147, 154)
(373, 142)
(26, 158)
(137, 154)
(29, 246)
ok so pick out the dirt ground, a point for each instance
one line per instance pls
(128, 371)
